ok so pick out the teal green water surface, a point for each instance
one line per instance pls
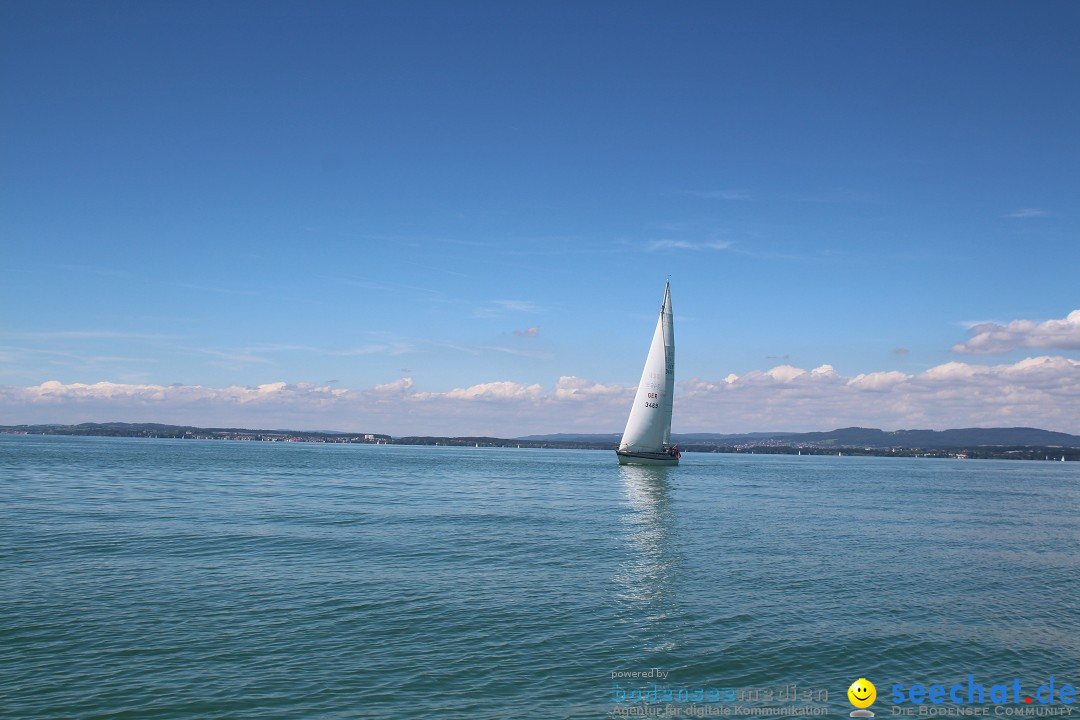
(202, 579)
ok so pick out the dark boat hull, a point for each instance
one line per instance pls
(627, 457)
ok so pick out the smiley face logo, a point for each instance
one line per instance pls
(862, 693)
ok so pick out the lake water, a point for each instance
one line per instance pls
(202, 579)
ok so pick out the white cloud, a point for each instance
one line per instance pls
(56, 393)
(398, 387)
(878, 380)
(784, 373)
(1027, 213)
(574, 388)
(991, 338)
(1040, 392)
(500, 390)
(530, 332)
(1037, 391)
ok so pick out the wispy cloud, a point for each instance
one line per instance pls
(834, 196)
(498, 308)
(213, 289)
(517, 305)
(729, 195)
(519, 352)
(991, 338)
(467, 349)
(91, 270)
(281, 347)
(656, 245)
(232, 359)
(131, 277)
(430, 294)
(90, 335)
(528, 333)
(393, 348)
(1028, 213)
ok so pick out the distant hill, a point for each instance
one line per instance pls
(859, 437)
(574, 437)
(985, 441)
(158, 430)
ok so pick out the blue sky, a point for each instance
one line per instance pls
(458, 217)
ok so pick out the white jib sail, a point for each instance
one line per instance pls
(648, 428)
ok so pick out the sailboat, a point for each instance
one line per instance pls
(647, 438)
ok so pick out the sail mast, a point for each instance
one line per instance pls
(666, 317)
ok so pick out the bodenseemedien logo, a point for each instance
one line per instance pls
(862, 694)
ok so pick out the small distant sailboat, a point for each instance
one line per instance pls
(647, 437)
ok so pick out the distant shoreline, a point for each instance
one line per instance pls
(757, 443)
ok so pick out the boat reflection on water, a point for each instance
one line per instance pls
(647, 577)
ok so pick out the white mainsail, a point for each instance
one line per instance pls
(648, 429)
